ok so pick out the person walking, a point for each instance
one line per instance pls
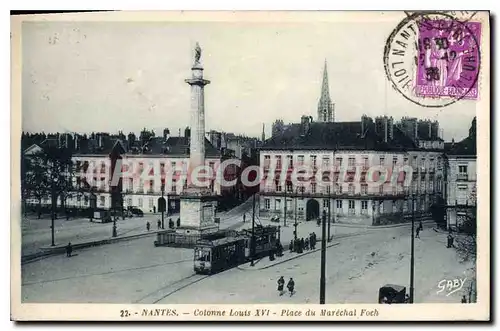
(159, 224)
(281, 285)
(464, 299)
(291, 286)
(420, 226)
(148, 226)
(450, 241)
(291, 246)
(417, 235)
(302, 245)
(306, 244)
(69, 249)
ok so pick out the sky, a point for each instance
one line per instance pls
(111, 76)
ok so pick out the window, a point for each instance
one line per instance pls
(139, 202)
(326, 203)
(289, 159)
(381, 189)
(414, 161)
(103, 168)
(365, 162)
(289, 186)
(338, 162)
(313, 188)
(313, 160)
(102, 201)
(301, 159)
(267, 161)
(278, 186)
(151, 185)
(289, 204)
(328, 189)
(173, 189)
(173, 166)
(382, 160)
(278, 161)
(151, 202)
(339, 204)
(351, 204)
(394, 206)
(351, 161)
(394, 161)
(326, 161)
(351, 189)
(86, 200)
(211, 165)
(129, 201)
(364, 188)
(364, 204)
(131, 184)
(462, 169)
(267, 204)
(278, 204)
(338, 188)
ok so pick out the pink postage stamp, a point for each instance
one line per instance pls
(448, 64)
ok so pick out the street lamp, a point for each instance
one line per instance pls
(412, 256)
(54, 205)
(322, 285)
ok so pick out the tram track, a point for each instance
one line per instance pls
(107, 272)
(166, 291)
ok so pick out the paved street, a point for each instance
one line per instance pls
(357, 267)
(36, 232)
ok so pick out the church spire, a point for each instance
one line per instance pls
(325, 106)
(325, 91)
(263, 133)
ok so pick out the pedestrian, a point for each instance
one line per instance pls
(170, 224)
(281, 284)
(291, 286)
(464, 299)
(178, 222)
(318, 221)
(291, 246)
(306, 244)
(69, 249)
(450, 241)
(302, 244)
(244, 217)
(417, 235)
(148, 226)
(420, 226)
(154, 209)
(279, 249)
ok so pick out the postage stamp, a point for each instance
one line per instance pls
(449, 58)
(433, 59)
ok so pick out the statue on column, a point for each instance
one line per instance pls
(197, 54)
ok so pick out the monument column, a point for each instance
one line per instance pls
(197, 112)
(198, 203)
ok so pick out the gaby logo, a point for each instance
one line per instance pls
(450, 286)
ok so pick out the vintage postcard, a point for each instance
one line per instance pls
(251, 166)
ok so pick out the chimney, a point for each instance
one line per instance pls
(187, 132)
(305, 125)
(179, 132)
(100, 140)
(390, 128)
(76, 142)
(166, 134)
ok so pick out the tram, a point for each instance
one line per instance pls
(212, 256)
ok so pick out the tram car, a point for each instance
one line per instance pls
(212, 256)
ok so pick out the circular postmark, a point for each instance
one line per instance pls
(433, 58)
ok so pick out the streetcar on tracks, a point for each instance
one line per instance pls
(212, 256)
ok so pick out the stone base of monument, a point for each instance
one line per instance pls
(197, 213)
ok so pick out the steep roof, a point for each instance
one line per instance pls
(336, 135)
(464, 147)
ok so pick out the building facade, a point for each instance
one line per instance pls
(461, 175)
(346, 161)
